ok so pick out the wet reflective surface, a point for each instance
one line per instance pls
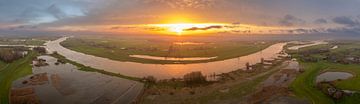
(307, 45)
(332, 76)
(167, 70)
(171, 58)
(65, 84)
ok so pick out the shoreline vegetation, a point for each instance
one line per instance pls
(13, 71)
(230, 86)
(122, 49)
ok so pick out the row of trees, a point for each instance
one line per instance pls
(9, 55)
(190, 79)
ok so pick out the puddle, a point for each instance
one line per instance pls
(335, 47)
(332, 76)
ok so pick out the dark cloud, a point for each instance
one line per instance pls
(347, 21)
(205, 28)
(56, 11)
(351, 25)
(320, 21)
(290, 20)
(23, 27)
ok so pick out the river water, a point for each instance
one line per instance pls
(163, 71)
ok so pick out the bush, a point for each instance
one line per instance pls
(9, 55)
(40, 50)
(194, 78)
(150, 79)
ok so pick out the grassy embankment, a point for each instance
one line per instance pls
(236, 92)
(114, 49)
(90, 69)
(244, 84)
(304, 85)
(13, 71)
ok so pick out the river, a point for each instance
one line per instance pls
(162, 71)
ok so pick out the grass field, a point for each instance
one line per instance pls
(13, 71)
(120, 49)
(2, 65)
(304, 85)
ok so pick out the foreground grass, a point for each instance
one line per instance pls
(13, 71)
(236, 92)
(304, 85)
(90, 69)
(2, 65)
(348, 84)
(112, 49)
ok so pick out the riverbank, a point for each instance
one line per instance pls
(173, 53)
(13, 71)
(164, 71)
(237, 86)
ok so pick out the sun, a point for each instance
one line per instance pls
(178, 28)
(185, 28)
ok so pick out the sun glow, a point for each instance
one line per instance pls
(187, 28)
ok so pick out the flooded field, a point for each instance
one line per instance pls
(167, 70)
(64, 84)
(332, 76)
(172, 58)
(306, 44)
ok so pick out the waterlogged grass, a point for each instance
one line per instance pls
(304, 85)
(13, 71)
(114, 49)
(90, 69)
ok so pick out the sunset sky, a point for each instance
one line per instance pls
(182, 16)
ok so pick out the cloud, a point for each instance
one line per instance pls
(56, 11)
(320, 21)
(347, 21)
(290, 20)
(182, 4)
(205, 28)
